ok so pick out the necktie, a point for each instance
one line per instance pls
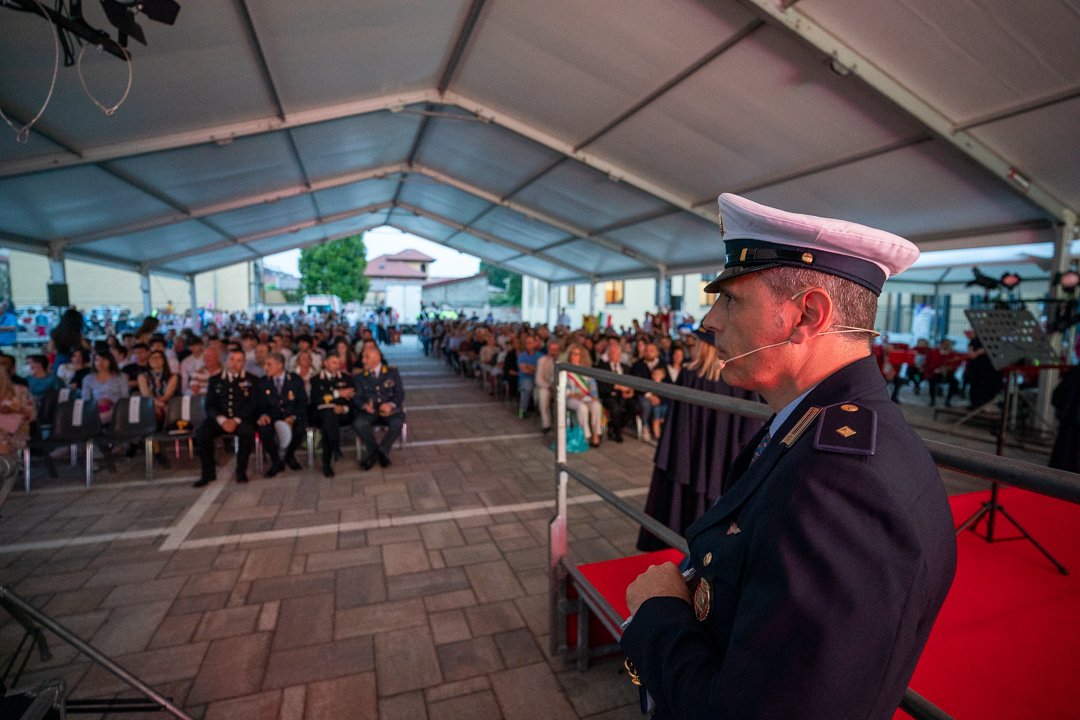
(761, 447)
(277, 384)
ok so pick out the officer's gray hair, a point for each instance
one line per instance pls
(276, 356)
(854, 306)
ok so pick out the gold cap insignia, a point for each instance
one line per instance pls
(807, 258)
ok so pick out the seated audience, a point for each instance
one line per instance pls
(282, 414)
(230, 410)
(379, 400)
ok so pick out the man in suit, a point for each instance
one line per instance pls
(282, 410)
(332, 393)
(821, 568)
(643, 368)
(230, 410)
(380, 400)
(618, 400)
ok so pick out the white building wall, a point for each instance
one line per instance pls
(639, 297)
(91, 285)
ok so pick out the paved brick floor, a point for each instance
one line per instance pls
(419, 590)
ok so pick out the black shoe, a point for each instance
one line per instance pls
(327, 470)
(131, 450)
(546, 430)
(242, 479)
(202, 482)
(275, 469)
(161, 460)
(384, 459)
(291, 462)
(618, 437)
(368, 462)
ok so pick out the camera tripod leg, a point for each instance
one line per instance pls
(1061, 568)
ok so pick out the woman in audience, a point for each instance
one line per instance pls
(583, 398)
(17, 411)
(72, 372)
(106, 386)
(305, 368)
(67, 337)
(696, 447)
(343, 351)
(678, 357)
(159, 383)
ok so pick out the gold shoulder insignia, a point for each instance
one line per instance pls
(847, 428)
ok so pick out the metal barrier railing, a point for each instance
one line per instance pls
(1017, 473)
(33, 620)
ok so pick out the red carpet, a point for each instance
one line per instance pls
(1007, 642)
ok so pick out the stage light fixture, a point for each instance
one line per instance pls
(121, 13)
(163, 11)
(1010, 280)
(1068, 280)
(122, 17)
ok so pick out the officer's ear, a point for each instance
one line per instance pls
(813, 315)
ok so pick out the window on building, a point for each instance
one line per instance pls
(571, 295)
(705, 299)
(614, 291)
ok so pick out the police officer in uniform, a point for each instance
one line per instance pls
(230, 410)
(282, 408)
(380, 400)
(331, 394)
(818, 573)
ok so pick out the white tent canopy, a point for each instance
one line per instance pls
(563, 139)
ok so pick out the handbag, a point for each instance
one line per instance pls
(575, 440)
(11, 422)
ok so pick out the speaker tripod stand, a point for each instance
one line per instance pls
(992, 507)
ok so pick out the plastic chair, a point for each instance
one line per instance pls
(133, 421)
(182, 417)
(72, 423)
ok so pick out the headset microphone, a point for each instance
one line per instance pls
(845, 329)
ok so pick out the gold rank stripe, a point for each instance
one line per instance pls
(800, 427)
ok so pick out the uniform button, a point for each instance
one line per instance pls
(707, 559)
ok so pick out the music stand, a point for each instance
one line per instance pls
(1012, 340)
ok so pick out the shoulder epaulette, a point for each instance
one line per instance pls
(847, 428)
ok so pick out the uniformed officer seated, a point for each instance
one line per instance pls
(282, 413)
(331, 394)
(230, 410)
(380, 400)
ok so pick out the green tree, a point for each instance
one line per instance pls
(503, 278)
(335, 268)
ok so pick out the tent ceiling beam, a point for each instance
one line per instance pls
(615, 172)
(534, 214)
(245, 240)
(239, 203)
(728, 43)
(299, 246)
(501, 264)
(804, 27)
(461, 43)
(976, 237)
(1019, 109)
(799, 173)
(222, 134)
(509, 244)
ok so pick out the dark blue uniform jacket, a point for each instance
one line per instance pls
(292, 401)
(826, 560)
(387, 388)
